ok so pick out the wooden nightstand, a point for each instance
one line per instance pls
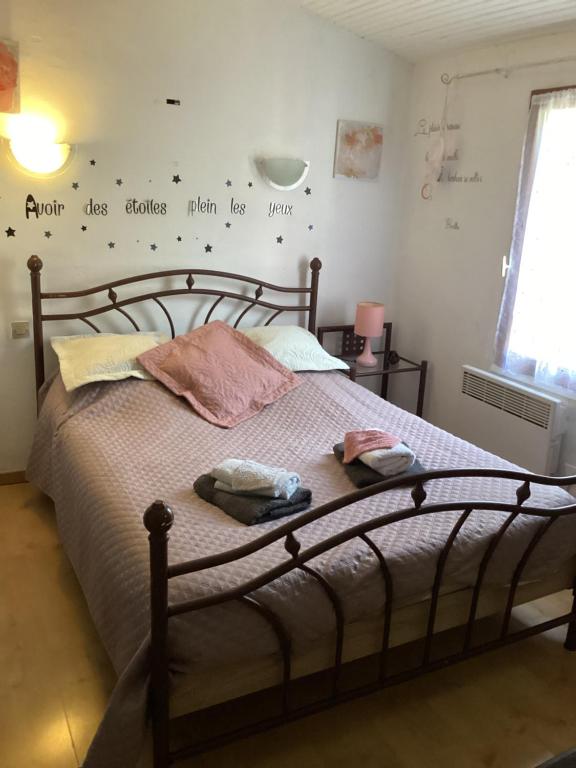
(389, 361)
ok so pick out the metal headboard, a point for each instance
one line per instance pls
(190, 288)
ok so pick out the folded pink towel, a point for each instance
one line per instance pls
(361, 440)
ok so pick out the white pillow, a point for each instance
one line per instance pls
(294, 347)
(103, 356)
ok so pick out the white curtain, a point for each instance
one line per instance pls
(536, 333)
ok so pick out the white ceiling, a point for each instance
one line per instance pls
(418, 28)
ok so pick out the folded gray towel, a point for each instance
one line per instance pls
(251, 509)
(362, 475)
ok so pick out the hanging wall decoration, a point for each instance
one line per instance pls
(358, 150)
(442, 157)
(9, 77)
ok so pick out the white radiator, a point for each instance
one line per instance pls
(516, 422)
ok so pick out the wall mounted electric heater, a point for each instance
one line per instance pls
(514, 421)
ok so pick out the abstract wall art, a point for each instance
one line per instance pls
(9, 77)
(358, 150)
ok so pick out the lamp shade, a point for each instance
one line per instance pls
(369, 319)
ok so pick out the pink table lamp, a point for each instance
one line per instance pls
(369, 324)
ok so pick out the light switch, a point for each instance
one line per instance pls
(20, 329)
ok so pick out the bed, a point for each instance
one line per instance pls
(206, 610)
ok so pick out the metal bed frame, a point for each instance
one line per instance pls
(158, 520)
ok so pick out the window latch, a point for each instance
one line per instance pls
(505, 264)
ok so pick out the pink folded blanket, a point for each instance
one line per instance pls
(362, 440)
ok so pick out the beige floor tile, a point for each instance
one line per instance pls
(57, 676)
(84, 703)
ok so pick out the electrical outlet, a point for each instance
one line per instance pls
(20, 329)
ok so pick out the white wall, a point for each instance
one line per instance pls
(256, 77)
(450, 280)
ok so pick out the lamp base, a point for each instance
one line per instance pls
(366, 359)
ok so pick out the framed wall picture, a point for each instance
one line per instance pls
(358, 150)
(9, 77)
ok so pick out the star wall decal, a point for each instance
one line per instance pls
(48, 234)
(250, 184)
(179, 238)
(119, 182)
(228, 183)
(10, 232)
(153, 247)
(83, 227)
(176, 179)
(227, 225)
(307, 191)
(111, 245)
(75, 185)
(310, 227)
(208, 248)
(280, 239)
(92, 162)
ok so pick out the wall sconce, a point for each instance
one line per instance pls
(33, 145)
(283, 173)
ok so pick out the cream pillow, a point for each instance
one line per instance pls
(294, 347)
(103, 356)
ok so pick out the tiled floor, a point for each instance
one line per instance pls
(510, 709)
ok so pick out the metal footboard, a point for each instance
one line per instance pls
(158, 520)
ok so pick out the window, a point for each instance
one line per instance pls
(536, 333)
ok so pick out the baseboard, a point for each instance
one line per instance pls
(12, 478)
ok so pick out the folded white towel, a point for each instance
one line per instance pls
(249, 478)
(389, 461)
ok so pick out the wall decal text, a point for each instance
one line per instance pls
(425, 127)
(33, 208)
(146, 207)
(201, 206)
(236, 208)
(226, 211)
(282, 209)
(454, 178)
(95, 209)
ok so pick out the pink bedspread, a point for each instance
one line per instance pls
(105, 452)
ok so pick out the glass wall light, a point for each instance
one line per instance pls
(283, 173)
(33, 145)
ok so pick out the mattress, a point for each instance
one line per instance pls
(219, 683)
(108, 450)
